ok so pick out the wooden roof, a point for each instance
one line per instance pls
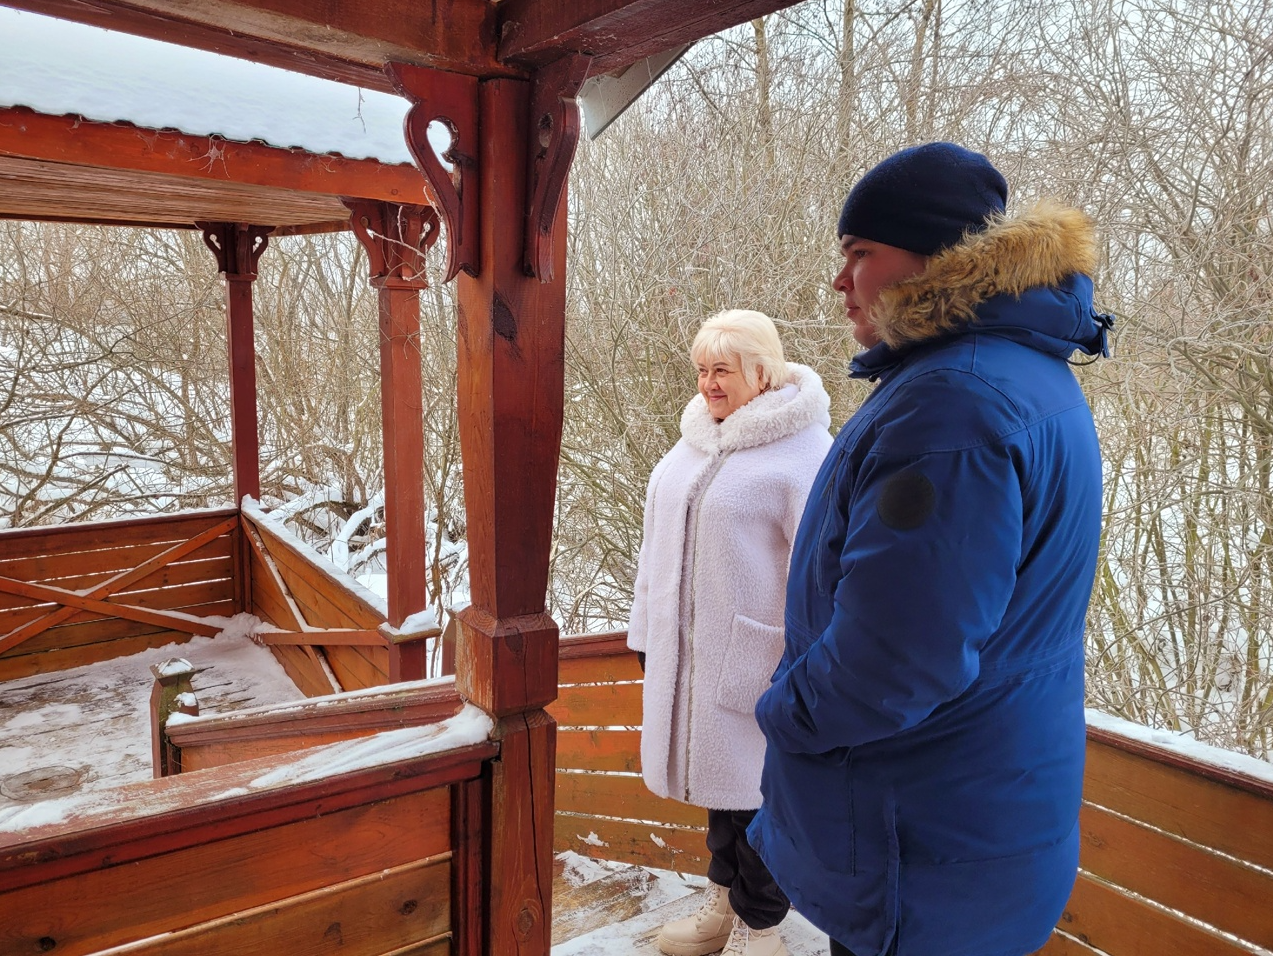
(66, 168)
(351, 40)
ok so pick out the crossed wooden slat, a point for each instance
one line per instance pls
(93, 599)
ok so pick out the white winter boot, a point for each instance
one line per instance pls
(705, 931)
(745, 941)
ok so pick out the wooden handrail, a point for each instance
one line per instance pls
(390, 706)
(143, 819)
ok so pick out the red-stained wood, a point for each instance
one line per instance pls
(511, 374)
(598, 705)
(624, 796)
(469, 836)
(615, 33)
(348, 41)
(391, 708)
(1186, 877)
(20, 610)
(519, 880)
(599, 749)
(1059, 944)
(113, 904)
(1120, 925)
(358, 668)
(592, 646)
(45, 662)
(71, 600)
(75, 141)
(681, 849)
(330, 637)
(451, 100)
(142, 820)
(108, 587)
(321, 598)
(96, 535)
(79, 570)
(406, 907)
(237, 247)
(303, 666)
(97, 630)
(396, 238)
(1207, 805)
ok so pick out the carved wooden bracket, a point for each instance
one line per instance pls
(237, 246)
(396, 237)
(554, 132)
(449, 99)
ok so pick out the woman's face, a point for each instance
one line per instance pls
(725, 387)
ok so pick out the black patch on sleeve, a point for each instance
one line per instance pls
(907, 501)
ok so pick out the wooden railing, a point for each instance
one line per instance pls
(77, 594)
(220, 739)
(1177, 852)
(603, 807)
(369, 847)
(333, 630)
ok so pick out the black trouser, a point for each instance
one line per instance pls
(753, 894)
(839, 950)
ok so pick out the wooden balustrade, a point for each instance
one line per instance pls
(220, 739)
(1177, 852)
(371, 847)
(78, 594)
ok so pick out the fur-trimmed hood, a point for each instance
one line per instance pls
(766, 418)
(1050, 249)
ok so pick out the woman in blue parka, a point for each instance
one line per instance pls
(925, 731)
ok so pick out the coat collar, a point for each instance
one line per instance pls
(1040, 248)
(766, 418)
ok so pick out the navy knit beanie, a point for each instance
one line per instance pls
(925, 198)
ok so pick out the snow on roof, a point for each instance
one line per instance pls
(59, 68)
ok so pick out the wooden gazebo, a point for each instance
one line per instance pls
(422, 818)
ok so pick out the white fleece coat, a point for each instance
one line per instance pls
(720, 516)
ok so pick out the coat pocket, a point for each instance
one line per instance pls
(751, 657)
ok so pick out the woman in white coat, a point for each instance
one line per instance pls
(720, 516)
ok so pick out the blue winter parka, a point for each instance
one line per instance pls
(925, 731)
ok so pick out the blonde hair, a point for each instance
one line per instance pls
(751, 338)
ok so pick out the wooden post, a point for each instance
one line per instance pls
(511, 372)
(396, 237)
(511, 380)
(172, 693)
(237, 247)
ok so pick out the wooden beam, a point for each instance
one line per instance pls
(70, 599)
(615, 33)
(348, 41)
(70, 139)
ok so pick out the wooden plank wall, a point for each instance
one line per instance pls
(287, 585)
(1177, 857)
(79, 556)
(603, 807)
(210, 864)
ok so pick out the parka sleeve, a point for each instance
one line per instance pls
(931, 551)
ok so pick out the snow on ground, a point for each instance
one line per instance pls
(94, 721)
(602, 908)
